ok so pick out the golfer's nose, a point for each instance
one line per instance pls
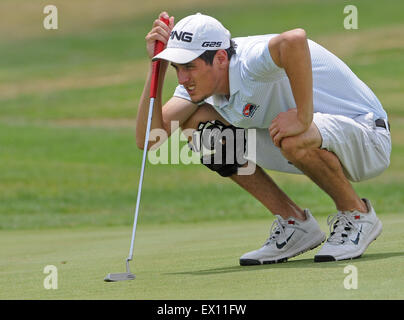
(183, 77)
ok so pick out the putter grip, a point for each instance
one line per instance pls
(156, 65)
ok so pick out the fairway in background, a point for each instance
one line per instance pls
(68, 104)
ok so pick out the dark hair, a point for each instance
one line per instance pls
(209, 55)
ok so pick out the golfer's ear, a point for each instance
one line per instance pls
(222, 58)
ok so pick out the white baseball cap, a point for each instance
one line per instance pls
(192, 36)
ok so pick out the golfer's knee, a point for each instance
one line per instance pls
(293, 148)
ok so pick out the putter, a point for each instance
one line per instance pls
(113, 277)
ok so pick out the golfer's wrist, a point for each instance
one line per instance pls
(305, 118)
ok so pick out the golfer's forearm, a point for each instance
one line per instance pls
(143, 108)
(295, 59)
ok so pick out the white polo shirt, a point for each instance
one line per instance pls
(260, 90)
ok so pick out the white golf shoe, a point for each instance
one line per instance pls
(288, 238)
(350, 234)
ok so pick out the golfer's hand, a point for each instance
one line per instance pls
(286, 124)
(159, 32)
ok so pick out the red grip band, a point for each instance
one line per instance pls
(156, 64)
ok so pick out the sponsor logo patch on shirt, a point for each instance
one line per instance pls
(249, 110)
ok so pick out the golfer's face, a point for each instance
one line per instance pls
(197, 77)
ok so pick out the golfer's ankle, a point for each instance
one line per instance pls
(359, 205)
(295, 214)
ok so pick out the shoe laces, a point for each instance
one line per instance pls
(277, 229)
(340, 224)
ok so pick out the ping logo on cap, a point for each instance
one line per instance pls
(182, 36)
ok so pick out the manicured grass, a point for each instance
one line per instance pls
(190, 261)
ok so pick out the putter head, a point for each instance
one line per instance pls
(113, 277)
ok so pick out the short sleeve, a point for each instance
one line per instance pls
(258, 62)
(181, 92)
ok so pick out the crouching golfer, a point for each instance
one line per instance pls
(312, 116)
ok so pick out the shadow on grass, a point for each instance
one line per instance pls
(293, 264)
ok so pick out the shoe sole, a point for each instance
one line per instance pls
(253, 262)
(326, 258)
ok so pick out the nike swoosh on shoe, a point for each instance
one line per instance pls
(356, 241)
(281, 245)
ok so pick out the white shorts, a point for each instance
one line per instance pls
(362, 148)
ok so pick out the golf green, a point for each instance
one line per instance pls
(190, 261)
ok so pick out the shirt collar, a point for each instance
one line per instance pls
(234, 75)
